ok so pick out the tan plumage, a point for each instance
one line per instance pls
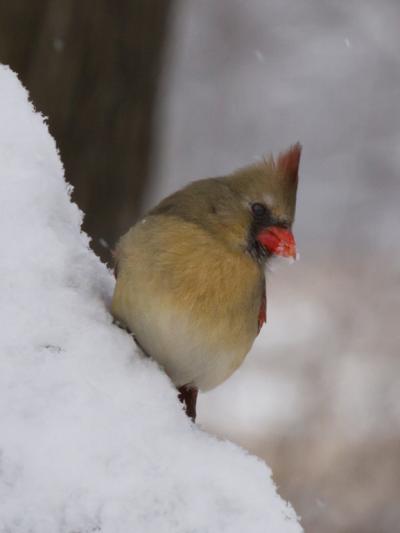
(189, 285)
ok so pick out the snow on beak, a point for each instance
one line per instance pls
(278, 241)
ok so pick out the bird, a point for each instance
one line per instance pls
(191, 274)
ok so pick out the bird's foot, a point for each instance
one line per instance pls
(188, 396)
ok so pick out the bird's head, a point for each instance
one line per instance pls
(251, 210)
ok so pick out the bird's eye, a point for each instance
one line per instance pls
(258, 210)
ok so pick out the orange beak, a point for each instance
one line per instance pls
(278, 241)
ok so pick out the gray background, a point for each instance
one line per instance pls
(318, 396)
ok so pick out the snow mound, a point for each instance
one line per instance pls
(92, 437)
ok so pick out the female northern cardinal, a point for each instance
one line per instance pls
(190, 275)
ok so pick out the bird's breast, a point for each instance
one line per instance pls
(192, 304)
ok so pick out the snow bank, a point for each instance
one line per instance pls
(92, 437)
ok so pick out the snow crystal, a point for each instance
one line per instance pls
(58, 44)
(347, 42)
(260, 56)
(92, 436)
(104, 243)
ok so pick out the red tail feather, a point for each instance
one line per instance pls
(262, 314)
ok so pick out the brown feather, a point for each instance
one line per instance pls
(187, 285)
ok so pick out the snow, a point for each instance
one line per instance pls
(92, 435)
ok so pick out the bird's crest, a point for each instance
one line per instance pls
(288, 162)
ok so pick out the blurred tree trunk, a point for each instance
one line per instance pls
(93, 67)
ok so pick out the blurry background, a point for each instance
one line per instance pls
(143, 95)
(93, 67)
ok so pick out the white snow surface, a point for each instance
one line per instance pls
(92, 436)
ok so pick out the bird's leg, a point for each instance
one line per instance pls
(188, 396)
